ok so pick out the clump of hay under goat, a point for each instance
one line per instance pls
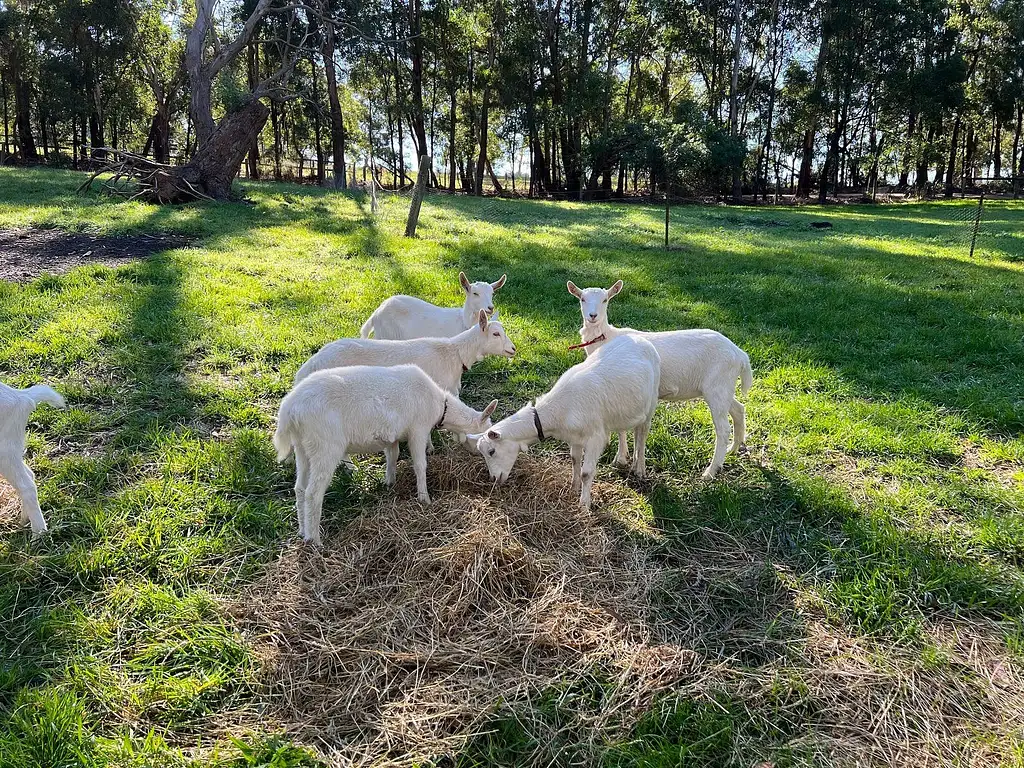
(396, 642)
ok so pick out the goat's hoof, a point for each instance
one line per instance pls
(621, 461)
(425, 500)
(709, 473)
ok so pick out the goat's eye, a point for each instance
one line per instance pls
(497, 334)
(491, 452)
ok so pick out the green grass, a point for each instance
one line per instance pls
(883, 500)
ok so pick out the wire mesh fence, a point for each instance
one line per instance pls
(677, 223)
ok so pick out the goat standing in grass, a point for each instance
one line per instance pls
(363, 409)
(406, 317)
(16, 406)
(443, 359)
(695, 364)
(614, 390)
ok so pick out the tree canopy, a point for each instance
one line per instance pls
(571, 98)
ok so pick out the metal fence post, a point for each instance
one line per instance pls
(977, 222)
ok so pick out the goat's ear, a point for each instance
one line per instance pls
(464, 281)
(491, 406)
(573, 289)
(501, 282)
(615, 288)
(493, 434)
(482, 319)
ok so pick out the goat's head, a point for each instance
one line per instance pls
(480, 295)
(499, 453)
(493, 337)
(594, 301)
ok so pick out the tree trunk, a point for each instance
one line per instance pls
(23, 119)
(1017, 158)
(253, 72)
(337, 119)
(803, 186)
(737, 186)
(907, 146)
(485, 105)
(954, 146)
(451, 139)
(416, 86)
(215, 164)
(997, 154)
(922, 166)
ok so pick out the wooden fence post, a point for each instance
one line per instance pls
(417, 196)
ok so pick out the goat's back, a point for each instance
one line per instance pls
(697, 363)
(615, 389)
(407, 317)
(428, 354)
(361, 401)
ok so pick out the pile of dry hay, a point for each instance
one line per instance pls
(398, 640)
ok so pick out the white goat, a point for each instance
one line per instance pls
(695, 364)
(612, 391)
(16, 405)
(363, 409)
(442, 359)
(406, 317)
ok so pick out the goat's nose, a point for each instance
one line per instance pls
(490, 308)
(593, 315)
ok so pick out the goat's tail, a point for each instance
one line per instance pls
(283, 435)
(40, 393)
(367, 328)
(746, 374)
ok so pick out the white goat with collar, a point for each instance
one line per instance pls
(443, 360)
(406, 317)
(363, 409)
(16, 406)
(614, 390)
(695, 364)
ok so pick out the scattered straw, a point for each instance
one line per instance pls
(398, 640)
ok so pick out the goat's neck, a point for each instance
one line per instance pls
(467, 348)
(590, 332)
(469, 317)
(521, 427)
(460, 417)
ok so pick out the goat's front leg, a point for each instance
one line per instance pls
(24, 482)
(391, 470)
(576, 451)
(418, 452)
(592, 450)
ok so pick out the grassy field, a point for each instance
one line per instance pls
(854, 587)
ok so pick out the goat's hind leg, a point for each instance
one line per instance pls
(622, 454)
(321, 471)
(301, 482)
(720, 417)
(24, 482)
(640, 434)
(739, 426)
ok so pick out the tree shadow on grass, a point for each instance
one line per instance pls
(895, 326)
(160, 512)
(805, 618)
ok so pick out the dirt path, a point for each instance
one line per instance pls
(27, 253)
